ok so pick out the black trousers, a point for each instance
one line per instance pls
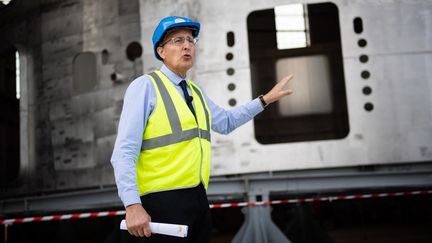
(184, 206)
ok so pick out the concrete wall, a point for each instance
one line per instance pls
(68, 134)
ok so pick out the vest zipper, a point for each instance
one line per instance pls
(201, 146)
(202, 154)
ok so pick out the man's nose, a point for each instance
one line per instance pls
(187, 45)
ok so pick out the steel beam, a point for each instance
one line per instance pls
(223, 188)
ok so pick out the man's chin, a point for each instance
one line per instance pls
(188, 64)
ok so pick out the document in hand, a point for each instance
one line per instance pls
(178, 230)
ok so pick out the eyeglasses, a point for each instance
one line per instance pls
(180, 40)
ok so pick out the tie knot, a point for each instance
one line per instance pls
(183, 84)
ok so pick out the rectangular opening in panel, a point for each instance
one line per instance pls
(303, 40)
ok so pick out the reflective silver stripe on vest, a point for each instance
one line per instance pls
(168, 139)
(173, 117)
(177, 135)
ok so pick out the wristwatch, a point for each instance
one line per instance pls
(264, 104)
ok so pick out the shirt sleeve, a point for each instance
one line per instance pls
(226, 121)
(138, 103)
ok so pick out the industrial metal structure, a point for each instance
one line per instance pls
(360, 117)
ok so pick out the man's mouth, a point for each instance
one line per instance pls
(187, 56)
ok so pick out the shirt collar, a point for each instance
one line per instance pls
(173, 77)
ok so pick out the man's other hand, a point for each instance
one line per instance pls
(138, 221)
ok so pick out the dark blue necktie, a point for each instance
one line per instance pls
(188, 98)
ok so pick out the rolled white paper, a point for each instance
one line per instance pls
(177, 230)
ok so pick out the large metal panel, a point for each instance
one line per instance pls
(397, 130)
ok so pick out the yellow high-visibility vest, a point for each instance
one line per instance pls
(175, 151)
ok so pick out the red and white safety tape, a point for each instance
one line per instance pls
(321, 199)
(62, 217)
(222, 205)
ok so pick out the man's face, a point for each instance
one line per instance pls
(178, 57)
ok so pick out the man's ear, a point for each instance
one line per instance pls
(160, 51)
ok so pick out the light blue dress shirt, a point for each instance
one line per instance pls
(139, 102)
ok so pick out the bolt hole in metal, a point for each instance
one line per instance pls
(364, 58)
(358, 25)
(229, 56)
(232, 102)
(367, 90)
(230, 71)
(362, 43)
(230, 39)
(368, 106)
(231, 86)
(365, 74)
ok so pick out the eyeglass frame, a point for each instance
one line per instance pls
(191, 40)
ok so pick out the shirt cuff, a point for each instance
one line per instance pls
(255, 106)
(129, 198)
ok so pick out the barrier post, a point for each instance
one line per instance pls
(5, 233)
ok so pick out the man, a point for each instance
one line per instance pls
(161, 157)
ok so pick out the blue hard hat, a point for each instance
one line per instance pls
(172, 22)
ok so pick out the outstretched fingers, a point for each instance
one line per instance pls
(281, 85)
(278, 91)
(285, 80)
(286, 92)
